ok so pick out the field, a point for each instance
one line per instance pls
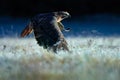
(90, 58)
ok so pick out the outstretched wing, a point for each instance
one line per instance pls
(28, 29)
(48, 33)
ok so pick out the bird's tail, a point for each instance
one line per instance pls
(28, 29)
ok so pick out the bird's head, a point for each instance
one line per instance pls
(61, 15)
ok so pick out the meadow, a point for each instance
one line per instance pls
(90, 58)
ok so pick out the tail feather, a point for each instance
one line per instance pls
(26, 31)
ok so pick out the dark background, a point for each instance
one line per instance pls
(89, 17)
(75, 7)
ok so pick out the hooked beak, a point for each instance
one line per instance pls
(69, 16)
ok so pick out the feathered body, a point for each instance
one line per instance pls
(47, 30)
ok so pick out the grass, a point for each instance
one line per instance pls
(91, 58)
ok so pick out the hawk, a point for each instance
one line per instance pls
(48, 29)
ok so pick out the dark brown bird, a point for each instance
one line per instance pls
(48, 29)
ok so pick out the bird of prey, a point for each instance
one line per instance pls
(47, 28)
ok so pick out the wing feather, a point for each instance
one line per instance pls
(51, 35)
(28, 29)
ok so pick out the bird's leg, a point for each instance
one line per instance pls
(60, 45)
(64, 45)
(54, 49)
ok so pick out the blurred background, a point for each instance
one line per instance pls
(89, 17)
